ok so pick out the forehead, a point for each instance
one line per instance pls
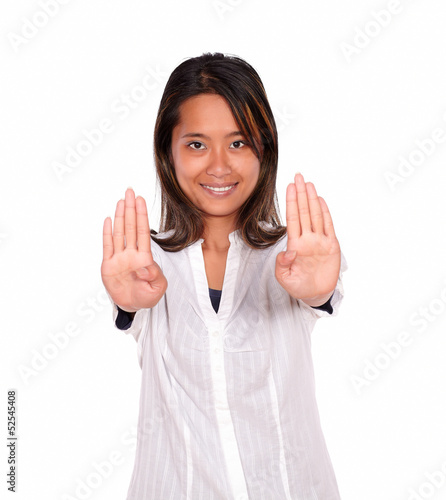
(206, 110)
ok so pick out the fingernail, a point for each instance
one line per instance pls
(290, 254)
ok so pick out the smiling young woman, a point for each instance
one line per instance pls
(223, 300)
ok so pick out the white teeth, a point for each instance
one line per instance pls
(219, 189)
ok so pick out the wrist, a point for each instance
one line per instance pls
(127, 310)
(319, 300)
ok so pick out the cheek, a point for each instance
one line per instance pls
(255, 171)
(179, 166)
(185, 173)
(183, 181)
(186, 165)
(186, 178)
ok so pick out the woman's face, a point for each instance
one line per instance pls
(214, 166)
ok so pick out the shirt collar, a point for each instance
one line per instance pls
(234, 238)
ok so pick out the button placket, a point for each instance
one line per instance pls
(216, 353)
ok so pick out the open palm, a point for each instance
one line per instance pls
(309, 268)
(129, 273)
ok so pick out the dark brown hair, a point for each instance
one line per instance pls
(238, 82)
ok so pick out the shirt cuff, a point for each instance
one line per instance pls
(124, 319)
(325, 307)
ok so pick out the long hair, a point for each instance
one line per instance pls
(238, 82)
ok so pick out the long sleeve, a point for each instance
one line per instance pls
(124, 319)
(325, 307)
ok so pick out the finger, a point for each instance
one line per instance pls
(317, 221)
(142, 225)
(107, 240)
(292, 214)
(328, 222)
(302, 204)
(130, 219)
(118, 227)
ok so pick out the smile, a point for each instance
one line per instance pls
(219, 189)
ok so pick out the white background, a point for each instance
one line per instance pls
(343, 122)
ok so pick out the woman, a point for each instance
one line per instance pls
(223, 300)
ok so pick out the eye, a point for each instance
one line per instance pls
(194, 144)
(239, 144)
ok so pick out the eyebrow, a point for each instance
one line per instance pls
(197, 134)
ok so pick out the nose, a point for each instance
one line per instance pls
(219, 164)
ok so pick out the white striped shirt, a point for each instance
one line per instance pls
(227, 404)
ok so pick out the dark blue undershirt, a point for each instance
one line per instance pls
(215, 296)
(124, 319)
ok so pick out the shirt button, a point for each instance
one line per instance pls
(215, 334)
(218, 368)
(217, 350)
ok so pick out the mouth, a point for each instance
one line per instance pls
(220, 189)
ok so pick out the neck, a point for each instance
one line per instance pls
(216, 233)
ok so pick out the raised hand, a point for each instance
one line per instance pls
(309, 268)
(129, 273)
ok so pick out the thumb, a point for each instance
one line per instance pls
(284, 259)
(149, 273)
